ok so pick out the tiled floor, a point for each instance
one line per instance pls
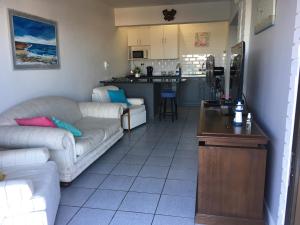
(147, 178)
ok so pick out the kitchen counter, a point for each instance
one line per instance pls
(145, 79)
(190, 90)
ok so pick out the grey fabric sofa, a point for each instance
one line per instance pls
(100, 123)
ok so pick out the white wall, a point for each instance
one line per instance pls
(217, 42)
(87, 37)
(186, 13)
(271, 96)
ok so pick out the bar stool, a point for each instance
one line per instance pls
(165, 97)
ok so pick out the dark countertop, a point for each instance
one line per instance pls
(145, 79)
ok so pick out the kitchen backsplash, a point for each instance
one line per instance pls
(159, 66)
(191, 64)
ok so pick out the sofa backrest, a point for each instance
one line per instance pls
(100, 93)
(60, 107)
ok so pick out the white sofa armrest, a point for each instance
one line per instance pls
(13, 192)
(136, 101)
(22, 157)
(31, 137)
(101, 110)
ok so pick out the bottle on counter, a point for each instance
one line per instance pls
(178, 69)
(249, 123)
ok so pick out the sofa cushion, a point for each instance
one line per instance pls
(118, 96)
(45, 184)
(136, 109)
(89, 141)
(67, 126)
(109, 126)
(15, 190)
(100, 93)
(40, 121)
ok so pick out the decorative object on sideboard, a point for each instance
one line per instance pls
(169, 15)
(265, 14)
(238, 118)
(34, 41)
(249, 123)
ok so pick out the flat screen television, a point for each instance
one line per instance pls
(237, 71)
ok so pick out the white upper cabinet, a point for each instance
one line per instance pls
(171, 42)
(157, 42)
(164, 42)
(138, 36)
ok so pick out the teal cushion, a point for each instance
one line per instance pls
(66, 126)
(118, 96)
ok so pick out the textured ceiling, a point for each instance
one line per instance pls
(132, 3)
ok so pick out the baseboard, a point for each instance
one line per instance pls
(268, 216)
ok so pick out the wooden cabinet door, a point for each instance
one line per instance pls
(138, 36)
(156, 41)
(144, 35)
(133, 36)
(231, 182)
(171, 41)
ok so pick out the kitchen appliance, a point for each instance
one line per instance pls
(139, 52)
(149, 70)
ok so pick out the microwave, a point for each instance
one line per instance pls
(139, 53)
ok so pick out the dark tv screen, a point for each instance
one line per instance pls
(237, 71)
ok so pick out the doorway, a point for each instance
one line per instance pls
(293, 202)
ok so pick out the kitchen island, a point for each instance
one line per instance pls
(146, 87)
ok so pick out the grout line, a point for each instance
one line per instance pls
(132, 182)
(135, 177)
(167, 176)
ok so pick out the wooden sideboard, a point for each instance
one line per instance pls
(231, 174)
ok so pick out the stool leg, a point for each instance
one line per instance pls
(165, 108)
(160, 108)
(176, 112)
(172, 108)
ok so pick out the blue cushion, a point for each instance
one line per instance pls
(66, 126)
(118, 96)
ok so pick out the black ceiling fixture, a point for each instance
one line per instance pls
(169, 15)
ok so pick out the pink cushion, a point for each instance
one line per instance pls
(41, 121)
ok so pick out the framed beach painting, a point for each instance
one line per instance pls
(34, 42)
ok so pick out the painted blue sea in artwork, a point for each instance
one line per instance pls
(35, 42)
(42, 50)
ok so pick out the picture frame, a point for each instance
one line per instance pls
(265, 14)
(202, 39)
(34, 41)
